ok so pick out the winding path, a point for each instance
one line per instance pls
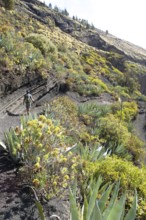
(15, 204)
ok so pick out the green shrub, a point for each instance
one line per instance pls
(87, 68)
(121, 91)
(135, 146)
(90, 113)
(26, 54)
(65, 110)
(62, 47)
(42, 43)
(113, 131)
(9, 4)
(7, 41)
(131, 177)
(88, 90)
(126, 111)
(93, 109)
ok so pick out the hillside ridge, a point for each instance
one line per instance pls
(96, 38)
(93, 48)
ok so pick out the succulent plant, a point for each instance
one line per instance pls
(108, 207)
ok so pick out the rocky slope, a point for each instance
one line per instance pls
(80, 57)
(96, 38)
(35, 17)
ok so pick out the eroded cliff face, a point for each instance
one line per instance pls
(9, 81)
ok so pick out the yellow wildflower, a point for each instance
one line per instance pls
(66, 177)
(49, 122)
(29, 123)
(70, 153)
(40, 125)
(73, 166)
(18, 146)
(54, 183)
(64, 170)
(45, 157)
(48, 131)
(39, 134)
(42, 118)
(37, 166)
(56, 130)
(38, 159)
(65, 185)
(40, 145)
(64, 159)
(55, 152)
(36, 182)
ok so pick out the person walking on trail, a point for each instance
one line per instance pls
(28, 99)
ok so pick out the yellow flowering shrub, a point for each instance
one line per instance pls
(113, 169)
(66, 111)
(113, 130)
(127, 111)
(131, 177)
(47, 165)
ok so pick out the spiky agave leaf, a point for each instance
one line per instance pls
(112, 201)
(40, 210)
(94, 209)
(104, 199)
(73, 207)
(11, 140)
(117, 210)
(96, 212)
(2, 144)
(132, 212)
(93, 198)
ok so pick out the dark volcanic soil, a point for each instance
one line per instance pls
(17, 203)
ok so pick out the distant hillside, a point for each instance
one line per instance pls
(38, 42)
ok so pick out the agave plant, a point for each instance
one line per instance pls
(108, 207)
(94, 110)
(93, 153)
(13, 140)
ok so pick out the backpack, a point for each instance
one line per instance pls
(28, 98)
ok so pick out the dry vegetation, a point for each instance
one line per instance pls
(74, 143)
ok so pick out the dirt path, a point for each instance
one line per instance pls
(139, 125)
(16, 203)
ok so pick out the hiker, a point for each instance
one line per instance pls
(27, 101)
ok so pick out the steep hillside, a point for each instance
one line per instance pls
(85, 136)
(40, 43)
